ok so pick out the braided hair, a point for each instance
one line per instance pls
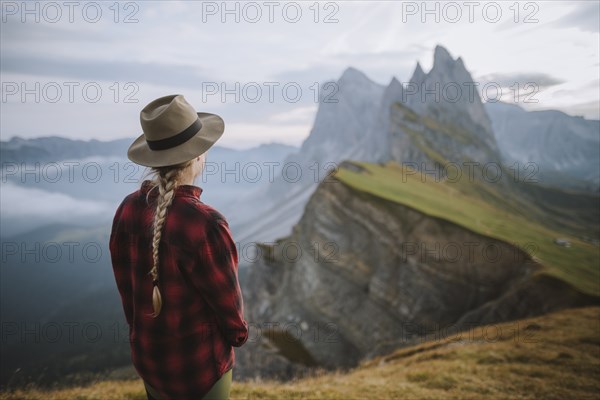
(166, 179)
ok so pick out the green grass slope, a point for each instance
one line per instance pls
(462, 202)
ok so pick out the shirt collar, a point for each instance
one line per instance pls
(180, 190)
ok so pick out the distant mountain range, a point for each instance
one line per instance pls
(566, 149)
(56, 148)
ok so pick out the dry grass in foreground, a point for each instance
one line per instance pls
(556, 356)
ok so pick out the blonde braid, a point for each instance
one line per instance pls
(167, 180)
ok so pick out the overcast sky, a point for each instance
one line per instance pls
(85, 72)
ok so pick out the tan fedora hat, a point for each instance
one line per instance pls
(173, 133)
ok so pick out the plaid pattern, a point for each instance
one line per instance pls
(188, 347)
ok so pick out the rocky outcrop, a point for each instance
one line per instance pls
(360, 276)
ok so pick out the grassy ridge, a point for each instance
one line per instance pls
(556, 356)
(461, 203)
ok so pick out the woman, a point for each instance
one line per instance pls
(175, 261)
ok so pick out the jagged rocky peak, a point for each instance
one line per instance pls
(394, 90)
(351, 81)
(352, 74)
(451, 96)
(441, 57)
(394, 83)
(340, 125)
(446, 70)
(418, 75)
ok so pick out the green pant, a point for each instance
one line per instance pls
(219, 391)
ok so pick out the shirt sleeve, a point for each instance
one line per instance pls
(120, 262)
(217, 281)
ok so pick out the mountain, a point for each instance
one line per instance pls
(368, 292)
(376, 124)
(449, 94)
(379, 252)
(66, 274)
(375, 146)
(560, 149)
(418, 76)
(347, 111)
(54, 148)
(343, 118)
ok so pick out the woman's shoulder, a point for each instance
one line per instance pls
(195, 224)
(200, 210)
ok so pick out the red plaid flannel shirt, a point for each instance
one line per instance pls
(188, 347)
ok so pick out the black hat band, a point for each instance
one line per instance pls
(176, 140)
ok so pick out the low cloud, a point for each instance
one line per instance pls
(29, 208)
(521, 78)
(183, 76)
(585, 17)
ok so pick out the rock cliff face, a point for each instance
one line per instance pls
(360, 276)
(430, 145)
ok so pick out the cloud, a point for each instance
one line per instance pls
(41, 205)
(307, 77)
(522, 78)
(585, 17)
(383, 65)
(171, 49)
(26, 209)
(303, 115)
(16, 34)
(244, 135)
(188, 76)
(593, 85)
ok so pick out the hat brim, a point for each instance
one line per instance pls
(212, 129)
